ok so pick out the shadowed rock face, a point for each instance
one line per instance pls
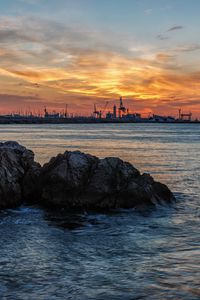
(15, 162)
(74, 180)
(78, 180)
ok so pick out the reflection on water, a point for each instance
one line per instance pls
(151, 254)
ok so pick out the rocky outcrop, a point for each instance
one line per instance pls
(16, 162)
(80, 181)
(74, 180)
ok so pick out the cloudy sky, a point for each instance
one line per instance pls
(82, 52)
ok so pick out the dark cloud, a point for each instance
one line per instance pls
(173, 28)
(165, 37)
(15, 35)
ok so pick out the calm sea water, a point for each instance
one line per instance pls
(151, 254)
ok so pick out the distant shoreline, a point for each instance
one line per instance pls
(6, 121)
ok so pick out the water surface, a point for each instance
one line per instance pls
(151, 254)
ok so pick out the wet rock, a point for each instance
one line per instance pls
(64, 178)
(80, 181)
(15, 163)
(74, 180)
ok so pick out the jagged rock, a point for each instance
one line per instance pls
(77, 180)
(65, 177)
(74, 180)
(15, 162)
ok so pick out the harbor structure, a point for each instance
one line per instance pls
(185, 116)
(118, 114)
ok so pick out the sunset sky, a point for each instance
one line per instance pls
(82, 52)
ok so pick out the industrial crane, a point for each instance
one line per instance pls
(185, 116)
(99, 113)
(96, 112)
(122, 109)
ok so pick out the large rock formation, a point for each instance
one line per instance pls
(80, 181)
(74, 180)
(15, 163)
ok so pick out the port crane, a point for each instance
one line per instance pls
(185, 116)
(99, 113)
(96, 112)
(122, 109)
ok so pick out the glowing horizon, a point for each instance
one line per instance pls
(86, 52)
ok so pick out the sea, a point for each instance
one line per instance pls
(151, 253)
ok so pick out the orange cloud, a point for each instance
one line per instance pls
(81, 70)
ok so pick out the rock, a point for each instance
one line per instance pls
(15, 162)
(74, 180)
(80, 181)
(30, 185)
(64, 178)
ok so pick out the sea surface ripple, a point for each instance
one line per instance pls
(126, 254)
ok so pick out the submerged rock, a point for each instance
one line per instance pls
(15, 163)
(81, 181)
